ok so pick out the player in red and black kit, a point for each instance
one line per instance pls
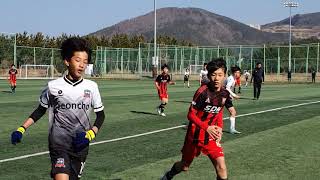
(206, 122)
(161, 84)
(13, 78)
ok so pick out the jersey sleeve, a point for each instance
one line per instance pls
(169, 78)
(158, 80)
(228, 104)
(44, 98)
(196, 106)
(96, 100)
(230, 83)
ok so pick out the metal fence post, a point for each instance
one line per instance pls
(176, 59)
(251, 60)
(318, 56)
(240, 56)
(15, 51)
(34, 55)
(307, 60)
(278, 69)
(264, 59)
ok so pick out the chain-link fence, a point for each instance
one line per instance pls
(274, 59)
(138, 62)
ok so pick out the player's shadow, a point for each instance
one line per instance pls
(180, 101)
(6, 92)
(141, 112)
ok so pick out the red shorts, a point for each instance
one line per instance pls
(163, 95)
(238, 82)
(190, 150)
(13, 81)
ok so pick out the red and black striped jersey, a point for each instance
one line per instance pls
(163, 80)
(13, 74)
(206, 110)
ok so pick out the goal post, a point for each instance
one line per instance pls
(30, 71)
(195, 69)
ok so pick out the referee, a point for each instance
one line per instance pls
(258, 79)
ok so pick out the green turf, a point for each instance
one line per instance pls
(281, 144)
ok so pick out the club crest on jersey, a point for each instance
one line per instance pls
(87, 93)
(212, 109)
(208, 100)
(60, 163)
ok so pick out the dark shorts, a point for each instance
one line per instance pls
(63, 162)
(186, 79)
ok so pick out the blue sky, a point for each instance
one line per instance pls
(53, 17)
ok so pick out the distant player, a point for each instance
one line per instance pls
(206, 123)
(70, 99)
(313, 76)
(203, 75)
(161, 84)
(289, 76)
(258, 79)
(229, 85)
(13, 78)
(246, 76)
(186, 78)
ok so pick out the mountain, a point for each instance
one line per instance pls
(303, 26)
(192, 24)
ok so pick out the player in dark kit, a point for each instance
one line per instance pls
(258, 79)
(161, 84)
(70, 99)
(206, 122)
(13, 78)
(186, 78)
(313, 76)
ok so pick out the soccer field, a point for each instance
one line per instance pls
(279, 140)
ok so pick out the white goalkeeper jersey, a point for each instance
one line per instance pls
(69, 104)
(247, 74)
(230, 83)
(204, 76)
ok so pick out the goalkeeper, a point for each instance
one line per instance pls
(70, 99)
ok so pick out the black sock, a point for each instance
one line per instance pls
(161, 107)
(172, 172)
(14, 87)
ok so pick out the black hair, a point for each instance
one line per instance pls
(72, 45)
(215, 64)
(259, 63)
(235, 69)
(164, 66)
(205, 64)
(12, 65)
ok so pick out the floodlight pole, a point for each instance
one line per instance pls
(290, 5)
(155, 36)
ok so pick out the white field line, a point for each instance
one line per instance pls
(157, 131)
(285, 99)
